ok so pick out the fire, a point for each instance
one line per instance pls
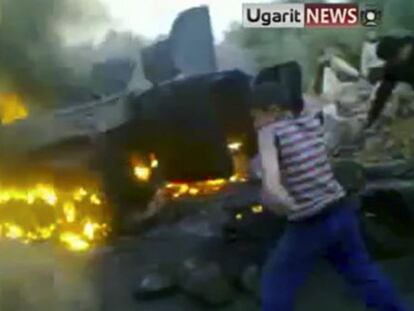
(42, 212)
(69, 210)
(80, 194)
(143, 173)
(235, 146)
(12, 108)
(12, 231)
(91, 229)
(74, 241)
(206, 187)
(257, 209)
(143, 170)
(95, 200)
(154, 161)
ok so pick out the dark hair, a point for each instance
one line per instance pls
(267, 94)
(288, 77)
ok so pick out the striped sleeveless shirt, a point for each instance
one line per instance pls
(304, 165)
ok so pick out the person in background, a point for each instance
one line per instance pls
(372, 67)
(331, 73)
(398, 54)
(298, 183)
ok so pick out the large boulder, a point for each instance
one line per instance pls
(206, 282)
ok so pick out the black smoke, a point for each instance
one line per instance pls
(32, 45)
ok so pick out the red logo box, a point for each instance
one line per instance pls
(331, 15)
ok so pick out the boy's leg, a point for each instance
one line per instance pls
(286, 269)
(351, 259)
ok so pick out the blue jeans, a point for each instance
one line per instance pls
(335, 236)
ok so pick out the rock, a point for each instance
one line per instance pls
(404, 91)
(250, 280)
(340, 131)
(205, 281)
(397, 192)
(156, 283)
(389, 215)
(400, 169)
(350, 174)
(348, 96)
(247, 225)
(205, 224)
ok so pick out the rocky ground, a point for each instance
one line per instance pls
(205, 254)
(210, 257)
(194, 265)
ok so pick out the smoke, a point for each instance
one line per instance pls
(230, 57)
(32, 41)
(275, 46)
(118, 47)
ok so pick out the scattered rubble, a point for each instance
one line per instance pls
(206, 282)
(155, 284)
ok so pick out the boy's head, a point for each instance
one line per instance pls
(288, 76)
(269, 101)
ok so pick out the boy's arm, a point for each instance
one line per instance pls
(274, 195)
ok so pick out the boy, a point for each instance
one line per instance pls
(298, 182)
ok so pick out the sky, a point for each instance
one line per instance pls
(155, 17)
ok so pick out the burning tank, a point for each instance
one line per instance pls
(73, 175)
(76, 174)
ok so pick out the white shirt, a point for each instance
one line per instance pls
(369, 58)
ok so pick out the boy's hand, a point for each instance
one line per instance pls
(275, 203)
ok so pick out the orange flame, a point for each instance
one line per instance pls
(12, 108)
(42, 212)
(143, 170)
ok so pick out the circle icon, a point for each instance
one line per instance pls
(371, 16)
